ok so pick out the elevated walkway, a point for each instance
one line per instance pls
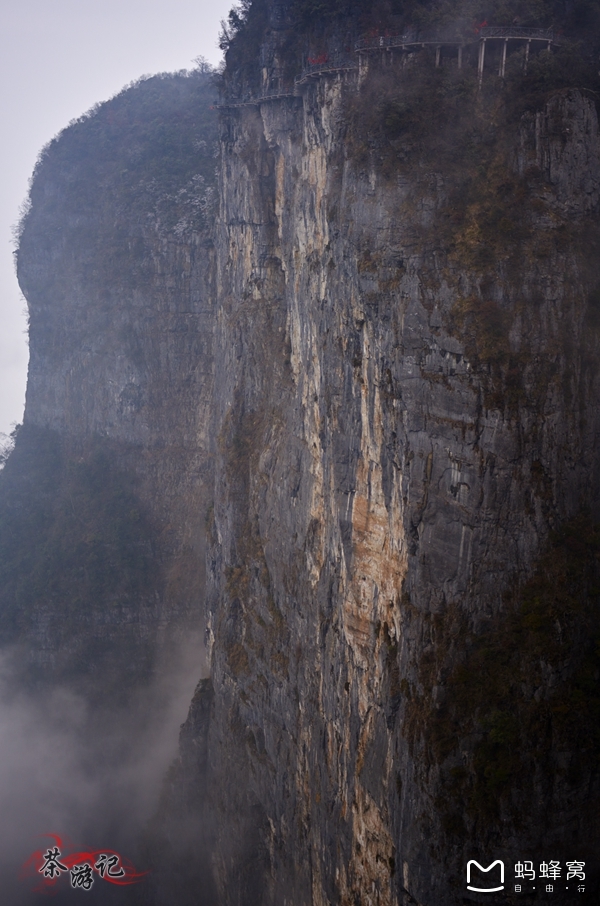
(414, 40)
(317, 70)
(409, 43)
(274, 95)
(528, 36)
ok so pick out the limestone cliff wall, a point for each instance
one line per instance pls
(364, 398)
(116, 261)
(388, 472)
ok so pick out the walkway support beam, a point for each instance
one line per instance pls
(481, 61)
(503, 60)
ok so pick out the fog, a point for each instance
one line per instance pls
(91, 777)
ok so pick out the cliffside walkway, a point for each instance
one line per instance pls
(412, 40)
(273, 95)
(321, 69)
(409, 43)
(308, 74)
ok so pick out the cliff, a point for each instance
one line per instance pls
(368, 396)
(409, 409)
(108, 477)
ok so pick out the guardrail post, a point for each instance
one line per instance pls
(481, 61)
(503, 61)
(363, 67)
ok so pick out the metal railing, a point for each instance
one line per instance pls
(272, 94)
(335, 64)
(385, 41)
(276, 92)
(514, 31)
(411, 38)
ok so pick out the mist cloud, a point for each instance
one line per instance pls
(91, 776)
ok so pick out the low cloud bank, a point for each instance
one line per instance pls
(90, 776)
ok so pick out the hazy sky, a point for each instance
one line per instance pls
(57, 59)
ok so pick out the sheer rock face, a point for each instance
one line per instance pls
(368, 459)
(111, 349)
(562, 141)
(117, 333)
(370, 478)
(116, 261)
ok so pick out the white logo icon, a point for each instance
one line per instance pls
(485, 870)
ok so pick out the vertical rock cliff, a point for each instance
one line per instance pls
(115, 261)
(367, 398)
(406, 485)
